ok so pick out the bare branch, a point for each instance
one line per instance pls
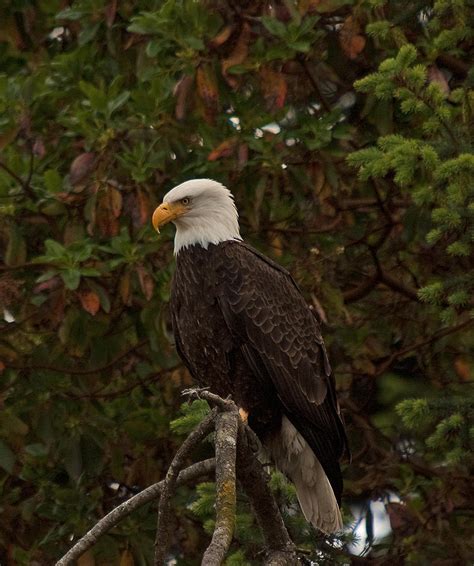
(226, 444)
(169, 484)
(127, 507)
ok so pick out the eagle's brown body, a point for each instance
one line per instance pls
(243, 328)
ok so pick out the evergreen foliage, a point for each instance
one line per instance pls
(345, 130)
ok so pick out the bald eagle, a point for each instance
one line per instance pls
(243, 329)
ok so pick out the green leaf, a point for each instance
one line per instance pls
(69, 14)
(274, 26)
(16, 251)
(52, 181)
(117, 102)
(88, 33)
(7, 457)
(36, 450)
(71, 278)
(54, 249)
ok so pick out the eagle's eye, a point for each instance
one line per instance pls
(185, 201)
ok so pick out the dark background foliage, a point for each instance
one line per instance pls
(344, 129)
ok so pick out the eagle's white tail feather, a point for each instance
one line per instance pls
(294, 457)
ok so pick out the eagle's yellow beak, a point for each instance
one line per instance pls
(167, 212)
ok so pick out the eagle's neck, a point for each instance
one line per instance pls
(212, 227)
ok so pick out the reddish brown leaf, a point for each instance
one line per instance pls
(238, 55)
(86, 559)
(208, 92)
(115, 200)
(351, 41)
(38, 148)
(146, 281)
(55, 307)
(90, 301)
(126, 559)
(225, 149)
(109, 206)
(274, 87)
(221, 37)
(141, 212)
(181, 92)
(2, 366)
(242, 155)
(110, 13)
(401, 518)
(435, 75)
(463, 368)
(82, 167)
(49, 285)
(124, 288)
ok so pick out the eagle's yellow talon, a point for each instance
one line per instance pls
(244, 415)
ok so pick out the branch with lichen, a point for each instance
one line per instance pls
(236, 459)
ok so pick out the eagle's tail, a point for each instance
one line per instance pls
(294, 457)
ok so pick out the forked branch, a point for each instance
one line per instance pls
(236, 459)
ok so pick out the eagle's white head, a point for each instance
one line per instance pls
(203, 212)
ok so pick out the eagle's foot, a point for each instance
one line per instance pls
(194, 392)
(244, 415)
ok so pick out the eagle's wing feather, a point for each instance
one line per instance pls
(281, 339)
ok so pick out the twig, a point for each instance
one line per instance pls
(169, 483)
(25, 185)
(127, 507)
(75, 371)
(417, 345)
(226, 444)
(254, 481)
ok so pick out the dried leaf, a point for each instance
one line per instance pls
(2, 366)
(82, 167)
(321, 6)
(124, 289)
(221, 37)
(115, 200)
(274, 88)
(225, 149)
(90, 301)
(55, 308)
(109, 207)
(49, 285)
(86, 559)
(38, 148)
(110, 13)
(146, 281)
(318, 178)
(276, 243)
(242, 155)
(435, 75)
(181, 92)
(238, 55)
(351, 41)
(126, 559)
(463, 368)
(141, 210)
(401, 518)
(208, 92)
